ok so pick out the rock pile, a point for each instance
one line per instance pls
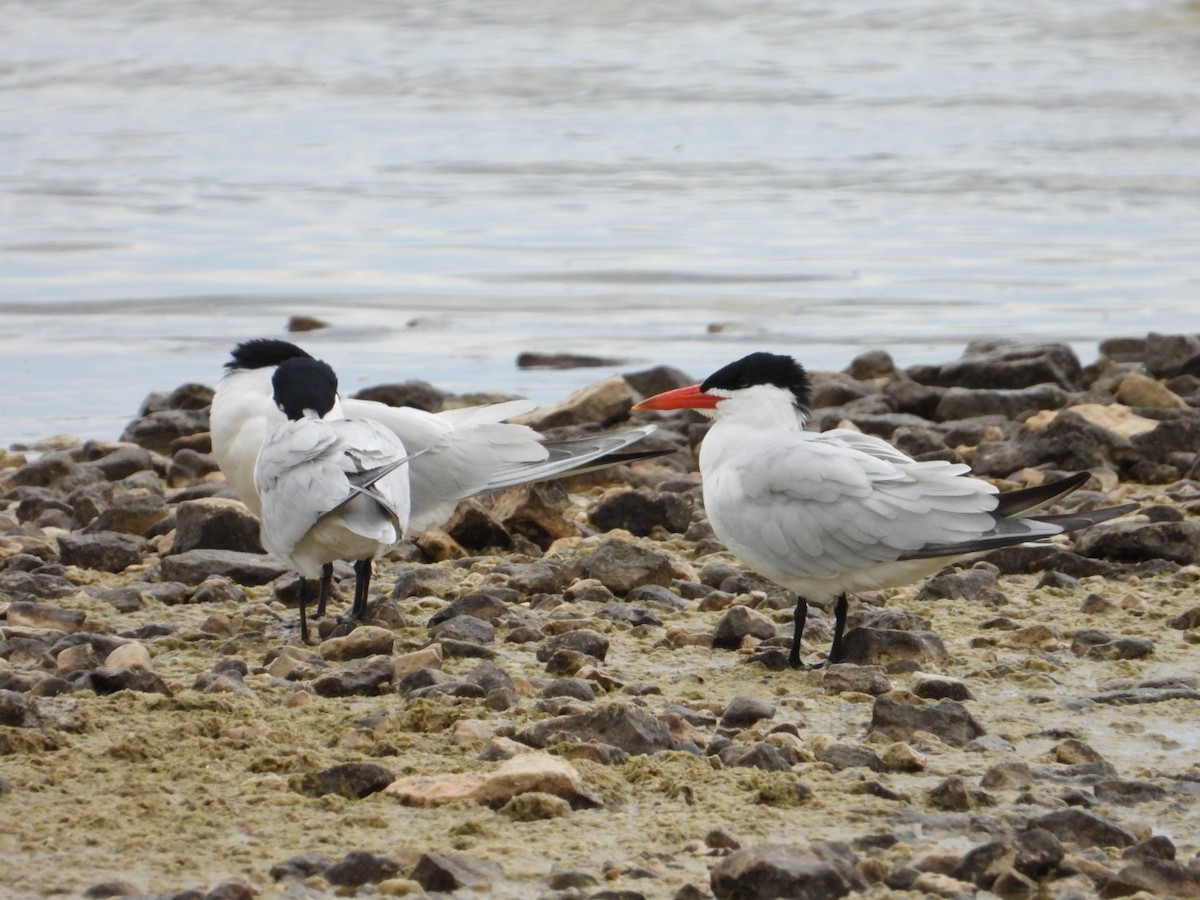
(574, 691)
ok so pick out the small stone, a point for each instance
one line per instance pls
(625, 726)
(441, 872)
(903, 757)
(214, 523)
(885, 646)
(777, 870)
(1156, 877)
(353, 780)
(1007, 776)
(467, 629)
(582, 640)
(29, 614)
(940, 687)
(744, 710)
(194, 566)
(738, 623)
(1084, 828)
(622, 565)
(360, 867)
(842, 678)
(955, 795)
(115, 888)
(367, 677)
(1126, 793)
(133, 655)
(640, 511)
(490, 604)
(105, 551)
(846, 756)
(363, 641)
(948, 719)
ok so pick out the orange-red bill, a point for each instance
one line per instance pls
(690, 397)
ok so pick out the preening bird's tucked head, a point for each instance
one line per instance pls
(304, 385)
(770, 380)
(261, 353)
(762, 369)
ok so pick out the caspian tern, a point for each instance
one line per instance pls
(836, 512)
(330, 488)
(463, 452)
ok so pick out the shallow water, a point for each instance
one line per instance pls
(450, 185)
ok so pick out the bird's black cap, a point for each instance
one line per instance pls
(261, 353)
(764, 368)
(303, 383)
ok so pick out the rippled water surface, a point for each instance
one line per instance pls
(450, 184)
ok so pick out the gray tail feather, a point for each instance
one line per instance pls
(1020, 531)
(576, 455)
(1075, 521)
(1016, 503)
(361, 483)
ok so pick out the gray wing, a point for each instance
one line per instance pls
(816, 505)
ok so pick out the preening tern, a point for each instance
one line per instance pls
(330, 488)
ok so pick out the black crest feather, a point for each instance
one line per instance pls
(764, 368)
(260, 353)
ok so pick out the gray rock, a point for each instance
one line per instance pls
(47, 470)
(777, 871)
(1007, 365)
(575, 688)
(841, 678)
(1126, 793)
(130, 514)
(464, 628)
(640, 511)
(948, 719)
(1156, 877)
(476, 528)
(109, 681)
(1121, 648)
(583, 640)
(1083, 828)
(884, 646)
(302, 865)
(414, 392)
(116, 461)
(625, 726)
(353, 780)
(1172, 354)
(1034, 853)
(975, 584)
(490, 604)
(622, 565)
(962, 403)
(453, 872)
(744, 710)
(416, 580)
(1186, 620)
(940, 687)
(215, 524)
(1141, 541)
(159, 430)
(1007, 776)
(953, 794)
(759, 755)
(358, 678)
(360, 867)
(739, 622)
(194, 566)
(534, 578)
(847, 756)
(106, 551)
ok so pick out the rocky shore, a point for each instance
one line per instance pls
(573, 691)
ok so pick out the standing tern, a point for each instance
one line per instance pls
(462, 452)
(330, 488)
(830, 513)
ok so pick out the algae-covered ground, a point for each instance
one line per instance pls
(162, 794)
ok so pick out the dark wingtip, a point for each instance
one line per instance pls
(259, 353)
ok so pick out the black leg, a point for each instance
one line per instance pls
(801, 614)
(836, 652)
(302, 596)
(362, 582)
(326, 587)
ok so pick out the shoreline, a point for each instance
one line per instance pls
(164, 731)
